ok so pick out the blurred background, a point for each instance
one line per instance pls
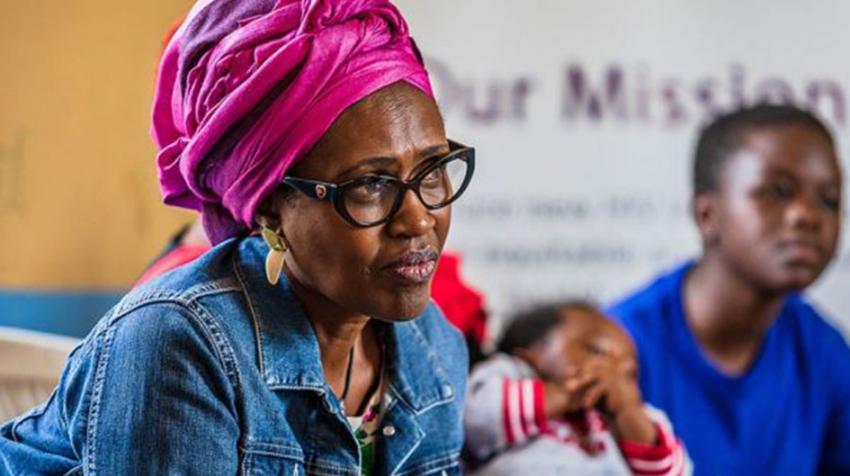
(584, 116)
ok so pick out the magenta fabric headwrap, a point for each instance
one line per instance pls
(247, 87)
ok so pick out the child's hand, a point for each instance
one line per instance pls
(610, 383)
(607, 382)
(558, 400)
(583, 388)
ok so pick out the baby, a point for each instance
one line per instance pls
(561, 397)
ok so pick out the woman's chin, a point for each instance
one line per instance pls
(405, 305)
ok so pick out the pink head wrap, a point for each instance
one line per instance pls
(247, 87)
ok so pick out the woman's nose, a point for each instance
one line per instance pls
(413, 218)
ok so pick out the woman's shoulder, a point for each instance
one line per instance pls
(211, 272)
(197, 293)
(195, 307)
(144, 327)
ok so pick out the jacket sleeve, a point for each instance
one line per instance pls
(504, 407)
(161, 398)
(665, 458)
(37, 442)
(148, 393)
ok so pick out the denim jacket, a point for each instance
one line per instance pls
(210, 370)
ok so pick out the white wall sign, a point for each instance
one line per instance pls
(584, 115)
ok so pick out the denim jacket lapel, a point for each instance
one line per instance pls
(418, 382)
(416, 374)
(288, 350)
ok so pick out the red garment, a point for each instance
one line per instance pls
(462, 305)
(179, 255)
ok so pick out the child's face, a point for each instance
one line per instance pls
(583, 335)
(778, 209)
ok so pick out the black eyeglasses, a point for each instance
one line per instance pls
(374, 199)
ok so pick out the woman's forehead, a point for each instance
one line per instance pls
(390, 118)
(397, 123)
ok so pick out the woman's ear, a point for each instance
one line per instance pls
(264, 219)
(705, 209)
(270, 210)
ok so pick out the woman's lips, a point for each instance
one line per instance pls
(414, 267)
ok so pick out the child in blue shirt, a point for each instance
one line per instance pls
(754, 380)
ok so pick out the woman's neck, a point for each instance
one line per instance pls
(728, 315)
(338, 332)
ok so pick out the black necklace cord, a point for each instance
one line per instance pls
(347, 376)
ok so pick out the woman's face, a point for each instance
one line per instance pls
(382, 271)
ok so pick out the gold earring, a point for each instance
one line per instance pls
(277, 250)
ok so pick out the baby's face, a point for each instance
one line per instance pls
(582, 336)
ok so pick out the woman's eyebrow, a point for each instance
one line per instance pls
(387, 162)
(374, 162)
(431, 151)
(430, 155)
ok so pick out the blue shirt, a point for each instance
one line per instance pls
(210, 370)
(789, 414)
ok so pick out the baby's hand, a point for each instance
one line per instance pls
(558, 400)
(611, 384)
(607, 382)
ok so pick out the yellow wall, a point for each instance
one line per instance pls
(79, 199)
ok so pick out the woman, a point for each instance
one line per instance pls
(312, 349)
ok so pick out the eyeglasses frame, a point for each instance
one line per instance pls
(333, 192)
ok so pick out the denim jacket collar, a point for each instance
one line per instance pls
(281, 325)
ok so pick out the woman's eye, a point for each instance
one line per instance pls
(434, 177)
(371, 190)
(377, 186)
